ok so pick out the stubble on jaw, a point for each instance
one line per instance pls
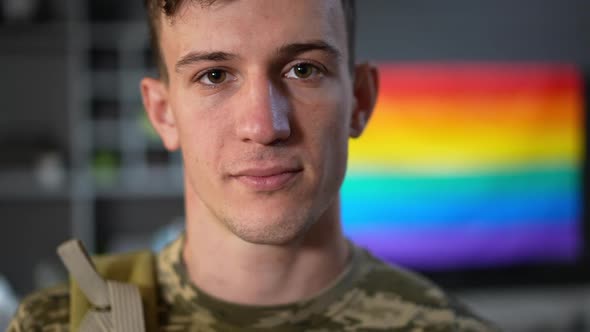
(269, 233)
(289, 229)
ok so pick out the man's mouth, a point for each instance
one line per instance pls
(267, 179)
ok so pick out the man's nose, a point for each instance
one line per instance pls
(264, 114)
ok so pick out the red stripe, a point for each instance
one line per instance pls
(477, 80)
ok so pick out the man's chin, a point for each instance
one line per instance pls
(278, 232)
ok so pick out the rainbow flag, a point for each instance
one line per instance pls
(469, 165)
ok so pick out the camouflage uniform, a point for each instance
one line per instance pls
(369, 296)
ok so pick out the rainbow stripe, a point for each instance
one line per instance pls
(467, 165)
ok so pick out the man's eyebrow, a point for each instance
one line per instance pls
(194, 57)
(298, 48)
(286, 50)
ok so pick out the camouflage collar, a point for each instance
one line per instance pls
(178, 291)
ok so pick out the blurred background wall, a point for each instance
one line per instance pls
(79, 159)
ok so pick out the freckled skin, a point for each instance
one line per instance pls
(259, 115)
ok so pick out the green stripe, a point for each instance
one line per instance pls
(532, 180)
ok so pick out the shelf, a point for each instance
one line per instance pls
(130, 36)
(144, 182)
(33, 38)
(122, 85)
(106, 134)
(552, 308)
(134, 183)
(147, 192)
(27, 185)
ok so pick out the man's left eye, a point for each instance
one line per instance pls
(303, 71)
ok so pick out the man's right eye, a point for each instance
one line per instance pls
(213, 77)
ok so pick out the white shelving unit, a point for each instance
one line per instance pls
(111, 147)
(110, 151)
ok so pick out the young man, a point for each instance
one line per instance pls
(261, 97)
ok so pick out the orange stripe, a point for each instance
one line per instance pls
(565, 110)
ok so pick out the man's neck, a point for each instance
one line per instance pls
(231, 269)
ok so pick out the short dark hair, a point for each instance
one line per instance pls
(169, 8)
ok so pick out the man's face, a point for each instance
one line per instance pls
(260, 101)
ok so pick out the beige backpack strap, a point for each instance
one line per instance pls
(75, 258)
(118, 306)
(95, 321)
(126, 307)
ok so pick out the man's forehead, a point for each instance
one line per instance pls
(212, 5)
(233, 24)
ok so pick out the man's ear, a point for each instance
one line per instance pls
(154, 94)
(366, 85)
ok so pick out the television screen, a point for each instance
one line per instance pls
(469, 165)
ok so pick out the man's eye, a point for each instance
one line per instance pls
(303, 71)
(213, 77)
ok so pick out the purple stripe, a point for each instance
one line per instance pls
(474, 247)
